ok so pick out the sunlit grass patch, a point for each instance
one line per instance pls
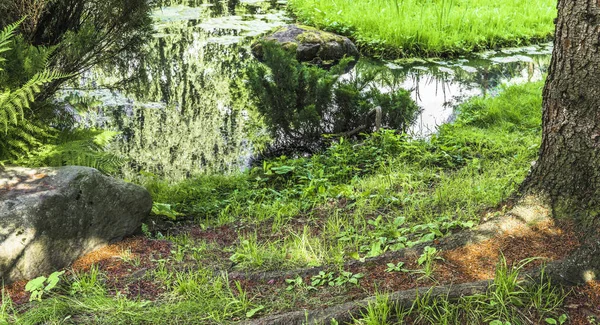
(350, 197)
(352, 201)
(431, 28)
(508, 300)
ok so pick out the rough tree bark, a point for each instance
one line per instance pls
(567, 173)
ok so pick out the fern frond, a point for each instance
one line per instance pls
(47, 53)
(19, 133)
(83, 148)
(33, 86)
(7, 33)
(19, 138)
(13, 104)
(105, 138)
(8, 113)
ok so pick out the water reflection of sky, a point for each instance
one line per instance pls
(186, 111)
(439, 86)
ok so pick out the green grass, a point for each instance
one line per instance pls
(507, 301)
(431, 27)
(384, 193)
(194, 297)
(472, 164)
(200, 297)
(354, 200)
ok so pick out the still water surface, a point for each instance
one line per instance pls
(185, 107)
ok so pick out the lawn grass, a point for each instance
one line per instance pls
(199, 297)
(400, 28)
(354, 200)
(507, 301)
(471, 165)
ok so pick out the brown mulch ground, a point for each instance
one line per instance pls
(546, 241)
(470, 263)
(126, 265)
(122, 275)
(583, 304)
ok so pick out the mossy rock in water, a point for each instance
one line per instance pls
(310, 44)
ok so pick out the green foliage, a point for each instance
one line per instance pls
(313, 178)
(83, 147)
(202, 196)
(291, 97)
(194, 297)
(82, 103)
(431, 28)
(383, 236)
(19, 132)
(252, 312)
(378, 312)
(394, 187)
(294, 283)
(213, 292)
(87, 283)
(163, 209)
(329, 279)
(348, 277)
(301, 102)
(42, 285)
(556, 321)
(49, 50)
(23, 61)
(427, 260)
(383, 193)
(85, 34)
(7, 309)
(322, 279)
(507, 301)
(250, 254)
(398, 267)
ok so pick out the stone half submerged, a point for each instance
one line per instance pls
(51, 216)
(310, 44)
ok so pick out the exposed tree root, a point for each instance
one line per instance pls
(524, 215)
(346, 312)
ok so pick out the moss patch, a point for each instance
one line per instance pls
(313, 35)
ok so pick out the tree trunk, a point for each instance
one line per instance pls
(567, 172)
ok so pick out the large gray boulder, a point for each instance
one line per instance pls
(51, 216)
(310, 44)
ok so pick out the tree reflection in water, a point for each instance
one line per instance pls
(185, 108)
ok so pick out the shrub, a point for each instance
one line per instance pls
(300, 102)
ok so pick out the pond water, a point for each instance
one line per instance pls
(185, 108)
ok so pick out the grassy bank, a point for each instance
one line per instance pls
(398, 28)
(470, 165)
(354, 200)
